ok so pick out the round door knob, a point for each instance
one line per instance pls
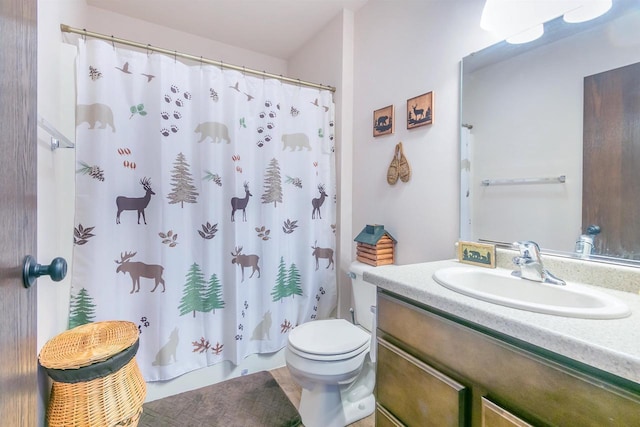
(31, 270)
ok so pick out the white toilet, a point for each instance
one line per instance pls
(333, 362)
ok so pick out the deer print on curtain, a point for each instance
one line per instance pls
(240, 203)
(135, 203)
(211, 176)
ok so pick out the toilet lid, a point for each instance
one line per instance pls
(328, 337)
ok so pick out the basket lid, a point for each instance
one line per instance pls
(88, 344)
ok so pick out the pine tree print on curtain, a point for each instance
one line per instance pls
(183, 190)
(81, 310)
(272, 184)
(214, 193)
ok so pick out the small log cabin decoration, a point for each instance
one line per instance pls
(375, 246)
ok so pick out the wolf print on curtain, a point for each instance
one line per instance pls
(205, 207)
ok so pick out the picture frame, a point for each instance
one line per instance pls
(383, 121)
(474, 253)
(420, 110)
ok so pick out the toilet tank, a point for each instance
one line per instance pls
(364, 295)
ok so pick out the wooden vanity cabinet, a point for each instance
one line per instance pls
(385, 419)
(441, 402)
(433, 370)
(495, 416)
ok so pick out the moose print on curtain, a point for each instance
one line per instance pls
(205, 207)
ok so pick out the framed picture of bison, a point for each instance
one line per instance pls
(383, 121)
(420, 110)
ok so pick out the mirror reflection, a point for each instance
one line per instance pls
(535, 118)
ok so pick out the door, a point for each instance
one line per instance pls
(611, 177)
(18, 122)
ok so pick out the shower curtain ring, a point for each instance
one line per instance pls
(113, 43)
(148, 49)
(175, 56)
(84, 34)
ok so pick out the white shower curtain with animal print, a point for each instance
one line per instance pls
(205, 207)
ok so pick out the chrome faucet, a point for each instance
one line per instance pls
(530, 263)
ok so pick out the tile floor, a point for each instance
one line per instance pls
(293, 392)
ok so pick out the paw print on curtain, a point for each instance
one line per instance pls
(174, 101)
(267, 123)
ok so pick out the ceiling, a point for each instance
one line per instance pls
(276, 28)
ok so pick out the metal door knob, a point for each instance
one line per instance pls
(31, 270)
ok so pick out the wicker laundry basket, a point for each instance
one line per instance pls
(96, 380)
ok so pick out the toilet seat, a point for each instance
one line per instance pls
(327, 340)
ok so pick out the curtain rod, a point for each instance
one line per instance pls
(67, 29)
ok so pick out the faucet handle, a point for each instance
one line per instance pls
(526, 244)
(522, 261)
(530, 264)
(528, 248)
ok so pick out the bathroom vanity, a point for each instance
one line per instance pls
(447, 359)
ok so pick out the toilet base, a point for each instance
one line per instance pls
(338, 405)
(324, 407)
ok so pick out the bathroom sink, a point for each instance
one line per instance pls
(500, 287)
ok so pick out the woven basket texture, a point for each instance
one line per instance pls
(87, 344)
(113, 400)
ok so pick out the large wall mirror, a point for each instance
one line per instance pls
(523, 149)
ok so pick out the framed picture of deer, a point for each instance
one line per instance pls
(383, 121)
(420, 110)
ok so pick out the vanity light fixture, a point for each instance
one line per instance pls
(521, 21)
(589, 10)
(526, 36)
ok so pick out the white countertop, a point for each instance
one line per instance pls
(610, 345)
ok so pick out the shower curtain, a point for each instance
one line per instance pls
(205, 207)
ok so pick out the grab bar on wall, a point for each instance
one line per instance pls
(56, 136)
(519, 181)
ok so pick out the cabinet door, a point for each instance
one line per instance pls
(495, 416)
(385, 419)
(415, 393)
(544, 391)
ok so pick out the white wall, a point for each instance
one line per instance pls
(404, 49)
